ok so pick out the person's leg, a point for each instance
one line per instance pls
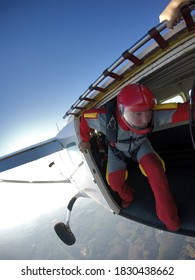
(116, 176)
(165, 206)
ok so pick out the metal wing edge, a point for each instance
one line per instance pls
(29, 154)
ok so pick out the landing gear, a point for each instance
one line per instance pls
(64, 233)
(63, 230)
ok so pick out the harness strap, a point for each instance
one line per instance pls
(121, 155)
(111, 121)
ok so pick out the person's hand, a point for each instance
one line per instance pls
(171, 12)
(170, 16)
(83, 146)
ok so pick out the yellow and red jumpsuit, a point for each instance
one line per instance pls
(140, 148)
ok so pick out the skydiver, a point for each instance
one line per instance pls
(137, 114)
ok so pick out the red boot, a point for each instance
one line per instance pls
(116, 180)
(127, 193)
(165, 206)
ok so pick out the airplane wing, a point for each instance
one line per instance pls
(29, 154)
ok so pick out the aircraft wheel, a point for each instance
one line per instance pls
(65, 234)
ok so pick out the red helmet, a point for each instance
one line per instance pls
(135, 98)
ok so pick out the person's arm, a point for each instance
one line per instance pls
(181, 113)
(84, 134)
(171, 113)
(171, 12)
(89, 116)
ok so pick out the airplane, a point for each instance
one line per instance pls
(164, 61)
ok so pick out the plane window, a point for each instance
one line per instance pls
(74, 153)
(177, 99)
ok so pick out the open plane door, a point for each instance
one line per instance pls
(192, 113)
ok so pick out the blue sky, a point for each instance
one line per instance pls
(52, 50)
